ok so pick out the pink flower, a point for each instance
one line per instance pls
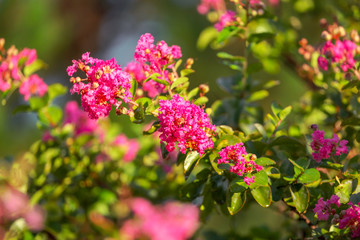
(205, 5)
(184, 124)
(29, 54)
(226, 19)
(235, 156)
(35, 218)
(172, 221)
(323, 148)
(274, 2)
(106, 85)
(153, 59)
(74, 115)
(323, 209)
(131, 146)
(351, 219)
(15, 203)
(34, 85)
(342, 53)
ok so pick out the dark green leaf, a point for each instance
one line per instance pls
(273, 172)
(22, 108)
(134, 86)
(353, 121)
(235, 201)
(262, 195)
(258, 37)
(214, 162)
(190, 161)
(301, 197)
(261, 179)
(309, 176)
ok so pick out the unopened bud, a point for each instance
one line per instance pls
(98, 74)
(204, 88)
(190, 61)
(254, 13)
(2, 43)
(325, 35)
(354, 36)
(171, 76)
(131, 113)
(78, 79)
(69, 141)
(303, 42)
(95, 85)
(87, 68)
(253, 157)
(323, 23)
(342, 31)
(357, 49)
(139, 92)
(314, 127)
(147, 51)
(72, 80)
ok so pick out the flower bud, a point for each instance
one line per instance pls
(303, 42)
(95, 85)
(323, 23)
(78, 79)
(2, 43)
(72, 80)
(342, 31)
(326, 35)
(253, 157)
(204, 88)
(87, 68)
(131, 114)
(354, 36)
(147, 51)
(98, 74)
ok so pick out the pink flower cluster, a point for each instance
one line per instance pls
(342, 52)
(172, 221)
(227, 19)
(235, 156)
(186, 124)
(351, 219)
(323, 147)
(205, 6)
(323, 209)
(131, 147)
(105, 85)
(82, 124)
(11, 75)
(152, 59)
(15, 205)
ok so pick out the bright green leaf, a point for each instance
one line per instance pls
(262, 195)
(301, 197)
(235, 201)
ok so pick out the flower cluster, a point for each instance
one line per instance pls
(235, 155)
(172, 221)
(15, 205)
(351, 219)
(227, 19)
(82, 124)
(323, 209)
(186, 124)
(153, 59)
(105, 85)
(205, 6)
(12, 66)
(131, 147)
(324, 147)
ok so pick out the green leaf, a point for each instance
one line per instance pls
(271, 84)
(297, 165)
(37, 103)
(285, 140)
(193, 93)
(309, 176)
(285, 112)
(227, 33)
(343, 190)
(226, 140)
(264, 161)
(134, 86)
(201, 100)
(262, 195)
(155, 126)
(139, 113)
(224, 166)
(56, 90)
(238, 185)
(261, 179)
(177, 64)
(190, 161)
(228, 56)
(352, 84)
(21, 108)
(33, 67)
(353, 121)
(186, 72)
(276, 109)
(161, 81)
(258, 37)
(235, 201)
(301, 197)
(259, 95)
(178, 82)
(206, 37)
(273, 172)
(145, 101)
(226, 129)
(50, 116)
(214, 163)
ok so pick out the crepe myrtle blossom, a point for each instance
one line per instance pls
(323, 147)
(227, 19)
(131, 147)
(34, 85)
(323, 209)
(105, 85)
(350, 218)
(153, 59)
(171, 221)
(184, 124)
(235, 155)
(205, 6)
